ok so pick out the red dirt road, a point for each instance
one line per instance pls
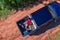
(10, 31)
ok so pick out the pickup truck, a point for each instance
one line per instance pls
(28, 24)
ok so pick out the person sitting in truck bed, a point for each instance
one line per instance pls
(28, 24)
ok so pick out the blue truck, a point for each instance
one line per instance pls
(30, 23)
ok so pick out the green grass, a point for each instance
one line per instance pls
(4, 13)
(58, 35)
(54, 38)
(7, 5)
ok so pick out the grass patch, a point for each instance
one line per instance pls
(7, 5)
(57, 36)
(4, 13)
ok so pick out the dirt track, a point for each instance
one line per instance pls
(10, 31)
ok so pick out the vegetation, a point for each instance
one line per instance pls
(4, 13)
(7, 5)
(57, 36)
